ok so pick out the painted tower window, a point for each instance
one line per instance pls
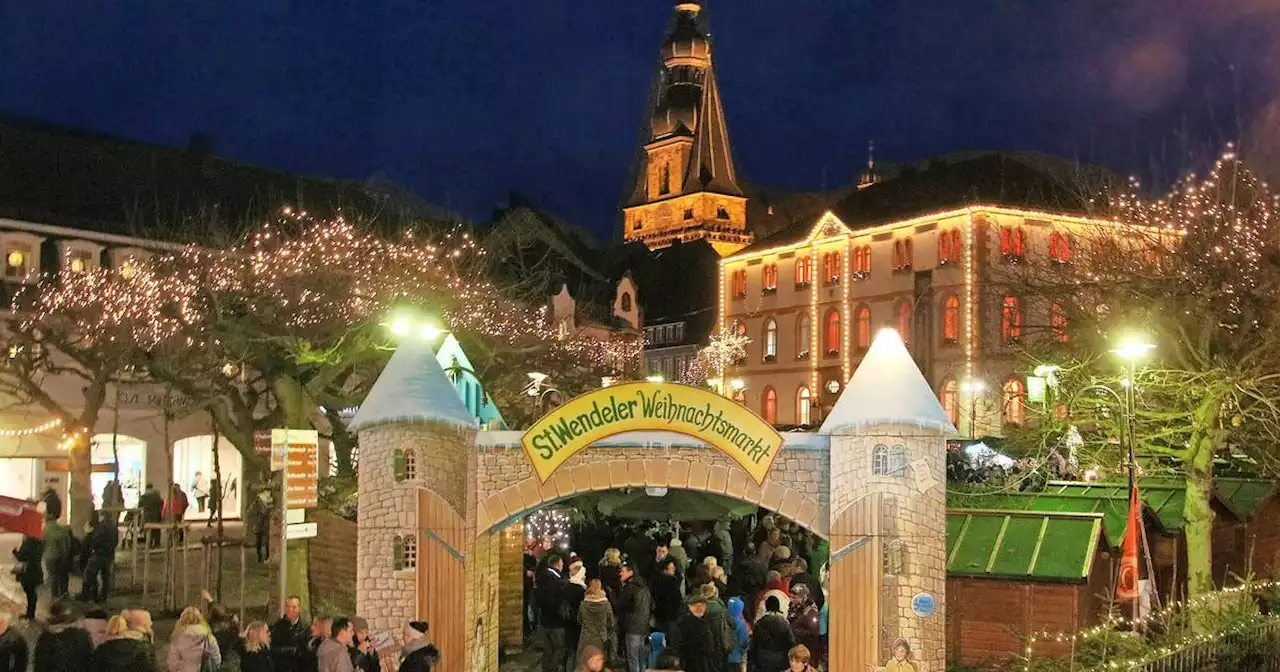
(862, 320)
(404, 552)
(803, 406)
(626, 302)
(410, 464)
(770, 340)
(880, 460)
(804, 270)
(769, 406)
(898, 460)
(951, 319)
(398, 465)
(895, 558)
(802, 337)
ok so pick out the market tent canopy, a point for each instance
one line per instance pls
(683, 505)
(1022, 545)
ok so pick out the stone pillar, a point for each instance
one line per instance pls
(511, 586)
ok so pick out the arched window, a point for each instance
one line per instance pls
(944, 247)
(410, 464)
(804, 270)
(862, 260)
(880, 460)
(626, 302)
(740, 327)
(398, 465)
(1014, 398)
(832, 338)
(770, 339)
(802, 337)
(1060, 247)
(739, 284)
(904, 320)
(769, 406)
(770, 277)
(899, 260)
(1012, 241)
(955, 245)
(908, 254)
(1010, 319)
(665, 186)
(404, 552)
(803, 405)
(1058, 322)
(862, 324)
(951, 319)
(831, 268)
(950, 398)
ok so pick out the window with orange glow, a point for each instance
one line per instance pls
(862, 322)
(804, 270)
(831, 268)
(770, 276)
(862, 260)
(739, 284)
(908, 254)
(1010, 318)
(832, 344)
(1058, 322)
(904, 320)
(1012, 240)
(1060, 248)
(1014, 402)
(951, 319)
(804, 405)
(897, 255)
(769, 406)
(950, 398)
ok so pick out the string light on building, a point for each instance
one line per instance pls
(552, 523)
(29, 431)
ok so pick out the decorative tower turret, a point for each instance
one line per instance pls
(686, 187)
(888, 511)
(416, 503)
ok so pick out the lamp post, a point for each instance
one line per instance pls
(973, 387)
(1131, 350)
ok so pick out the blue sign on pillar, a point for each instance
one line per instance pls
(923, 605)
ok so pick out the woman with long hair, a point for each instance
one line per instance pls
(125, 649)
(193, 646)
(257, 649)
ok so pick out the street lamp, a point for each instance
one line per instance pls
(973, 387)
(737, 384)
(654, 379)
(402, 325)
(1131, 349)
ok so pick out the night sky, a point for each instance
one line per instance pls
(464, 101)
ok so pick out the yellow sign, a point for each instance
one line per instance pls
(669, 407)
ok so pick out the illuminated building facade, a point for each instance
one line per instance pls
(685, 187)
(928, 253)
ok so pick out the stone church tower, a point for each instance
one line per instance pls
(685, 187)
(888, 512)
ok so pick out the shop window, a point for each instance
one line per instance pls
(951, 319)
(950, 398)
(770, 278)
(770, 340)
(880, 460)
(904, 320)
(1060, 248)
(769, 406)
(832, 342)
(1012, 243)
(804, 271)
(862, 323)
(1058, 322)
(802, 337)
(804, 405)
(1010, 319)
(1014, 402)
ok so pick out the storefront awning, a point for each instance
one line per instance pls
(37, 446)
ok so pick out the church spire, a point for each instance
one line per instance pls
(686, 187)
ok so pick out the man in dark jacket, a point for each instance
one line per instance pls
(103, 539)
(63, 646)
(13, 648)
(667, 600)
(289, 637)
(418, 653)
(152, 505)
(635, 607)
(800, 576)
(693, 636)
(771, 639)
(52, 504)
(363, 654)
(28, 570)
(549, 594)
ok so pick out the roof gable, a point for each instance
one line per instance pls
(412, 388)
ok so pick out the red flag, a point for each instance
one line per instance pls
(18, 515)
(1127, 584)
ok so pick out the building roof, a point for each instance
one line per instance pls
(458, 367)
(887, 389)
(1013, 179)
(1022, 545)
(1114, 508)
(412, 388)
(710, 166)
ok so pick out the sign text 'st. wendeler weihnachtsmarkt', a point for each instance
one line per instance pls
(671, 407)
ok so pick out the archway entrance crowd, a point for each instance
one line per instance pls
(670, 579)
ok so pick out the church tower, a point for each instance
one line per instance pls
(686, 188)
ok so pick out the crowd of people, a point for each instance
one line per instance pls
(204, 640)
(721, 597)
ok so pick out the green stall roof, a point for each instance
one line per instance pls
(1243, 495)
(1038, 546)
(1165, 500)
(1114, 509)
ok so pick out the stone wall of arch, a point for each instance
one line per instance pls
(797, 487)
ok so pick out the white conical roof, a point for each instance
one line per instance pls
(413, 388)
(887, 389)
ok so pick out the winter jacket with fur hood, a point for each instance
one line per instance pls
(188, 647)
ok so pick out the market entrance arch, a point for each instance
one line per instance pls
(439, 501)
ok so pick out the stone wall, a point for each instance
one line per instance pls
(796, 487)
(332, 566)
(511, 586)
(386, 598)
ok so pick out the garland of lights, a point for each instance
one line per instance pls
(28, 431)
(553, 523)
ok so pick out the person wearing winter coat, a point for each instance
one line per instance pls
(363, 654)
(575, 591)
(257, 649)
(28, 571)
(595, 621)
(611, 573)
(13, 647)
(771, 639)
(59, 556)
(775, 587)
(635, 606)
(152, 506)
(695, 638)
(717, 616)
(192, 645)
(805, 622)
(334, 653)
(225, 626)
(418, 653)
(52, 504)
(64, 646)
(667, 600)
(124, 650)
(289, 637)
(553, 615)
(95, 623)
(799, 659)
(741, 635)
(103, 539)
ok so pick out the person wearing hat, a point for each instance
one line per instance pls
(418, 653)
(363, 654)
(597, 627)
(64, 645)
(635, 607)
(693, 637)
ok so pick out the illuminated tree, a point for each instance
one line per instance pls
(1197, 273)
(725, 348)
